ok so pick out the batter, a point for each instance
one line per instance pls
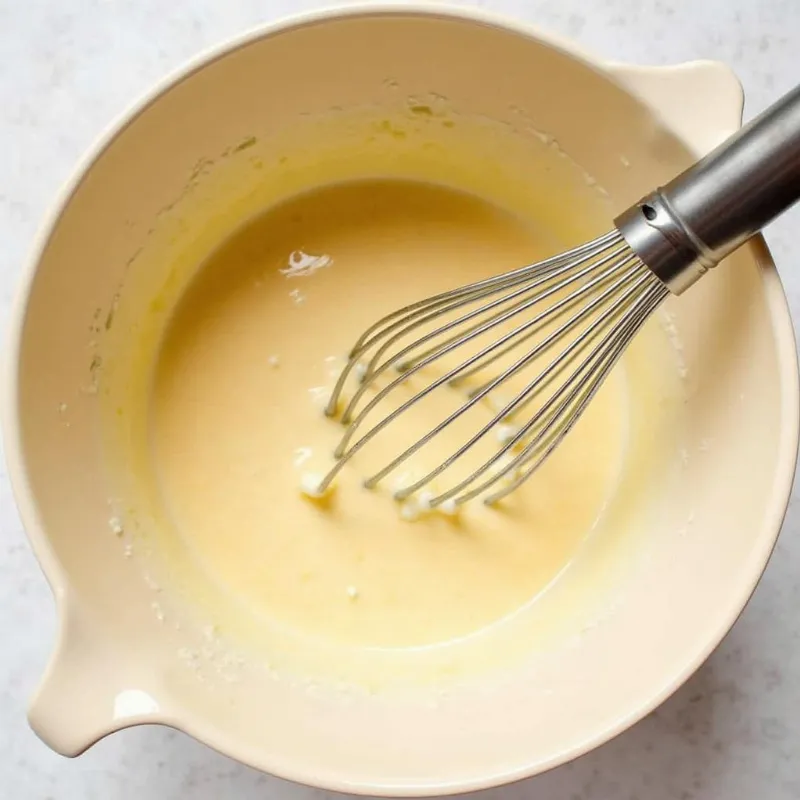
(236, 420)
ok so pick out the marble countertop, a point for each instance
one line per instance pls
(732, 733)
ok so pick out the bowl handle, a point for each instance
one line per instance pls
(701, 101)
(87, 691)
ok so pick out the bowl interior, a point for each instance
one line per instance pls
(717, 495)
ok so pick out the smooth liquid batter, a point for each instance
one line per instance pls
(236, 419)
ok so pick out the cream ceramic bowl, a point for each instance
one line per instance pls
(114, 666)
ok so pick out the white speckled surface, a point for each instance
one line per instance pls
(732, 733)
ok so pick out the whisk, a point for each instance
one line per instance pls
(581, 309)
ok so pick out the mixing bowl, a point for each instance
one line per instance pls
(117, 663)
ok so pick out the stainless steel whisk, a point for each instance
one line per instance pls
(597, 295)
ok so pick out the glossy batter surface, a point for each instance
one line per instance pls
(247, 360)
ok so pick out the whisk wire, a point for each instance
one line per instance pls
(468, 335)
(599, 294)
(539, 419)
(577, 276)
(486, 391)
(559, 433)
(470, 293)
(576, 253)
(345, 451)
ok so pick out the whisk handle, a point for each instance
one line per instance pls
(688, 226)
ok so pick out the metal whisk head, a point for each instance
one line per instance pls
(578, 310)
(567, 320)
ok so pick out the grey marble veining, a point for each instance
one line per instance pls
(732, 733)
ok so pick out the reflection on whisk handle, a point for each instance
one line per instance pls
(688, 226)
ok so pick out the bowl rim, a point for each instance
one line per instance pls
(192, 721)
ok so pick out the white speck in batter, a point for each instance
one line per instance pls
(334, 366)
(505, 432)
(310, 485)
(301, 455)
(320, 395)
(448, 507)
(497, 402)
(302, 264)
(424, 500)
(401, 481)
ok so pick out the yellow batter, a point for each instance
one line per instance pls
(235, 420)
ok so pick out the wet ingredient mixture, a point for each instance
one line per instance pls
(246, 365)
